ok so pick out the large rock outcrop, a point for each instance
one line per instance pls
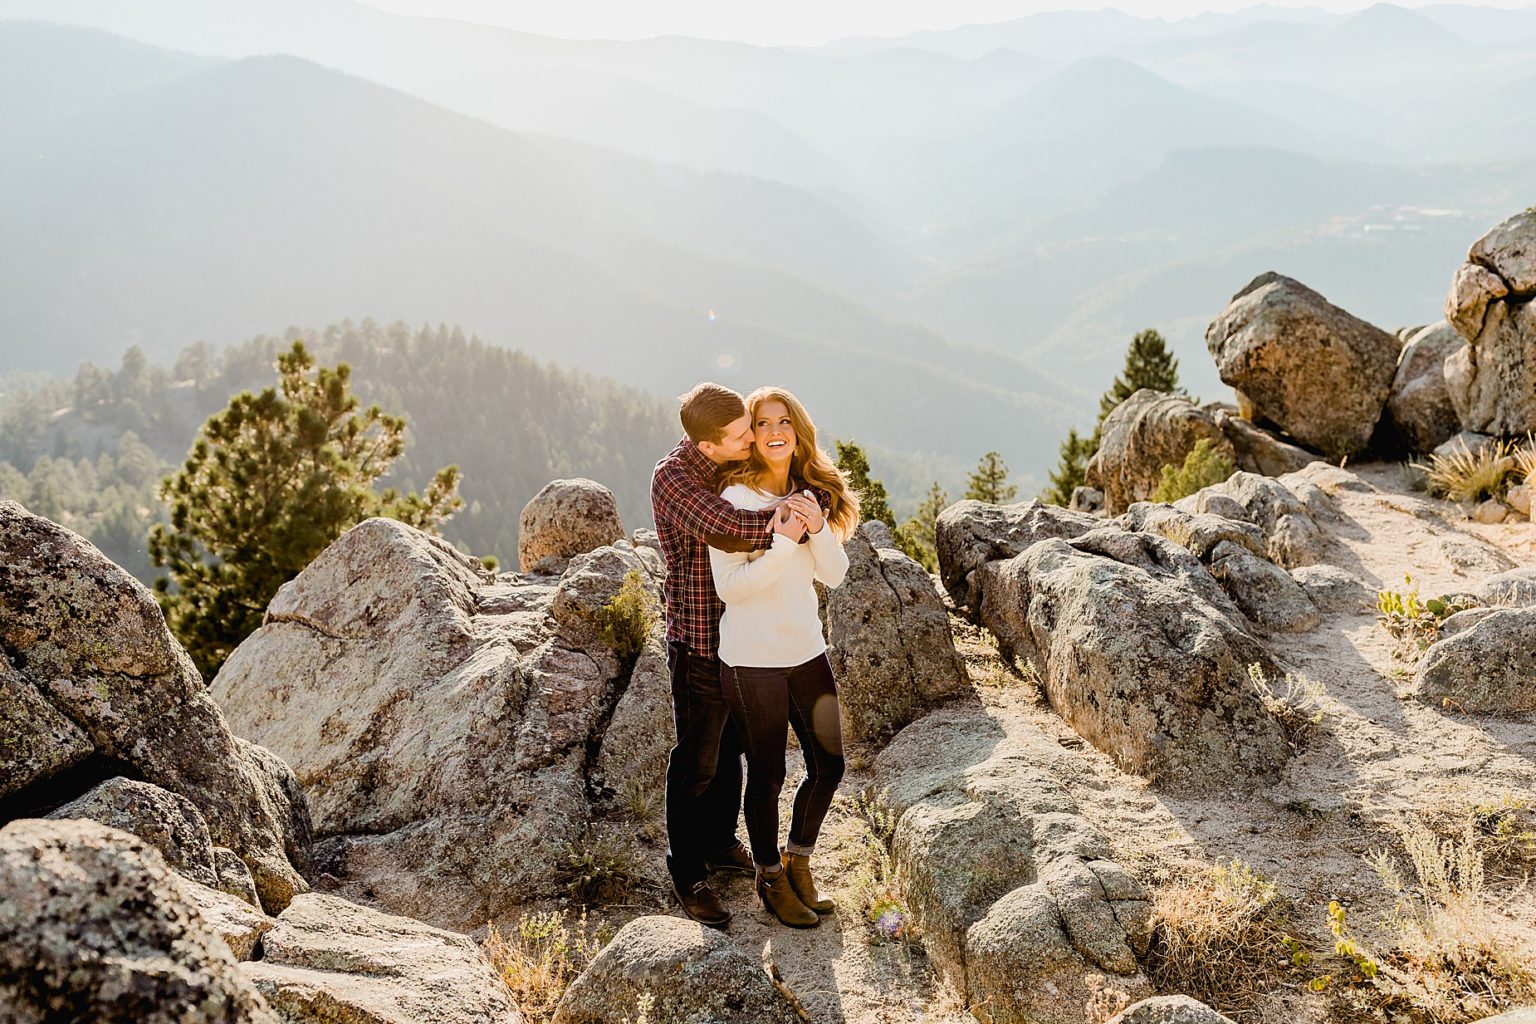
(94, 927)
(1488, 668)
(93, 684)
(889, 639)
(1306, 365)
(1141, 653)
(1144, 433)
(1420, 403)
(1492, 381)
(970, 534)
(443, 719)
(1016, 891)
(690, 972)
(327, 961)
(566, 518)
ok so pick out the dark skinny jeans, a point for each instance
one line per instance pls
(764, 702)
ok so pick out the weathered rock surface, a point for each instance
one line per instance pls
(1492, 382)
(969, 534)
(167, 821)
(694, 975)
(1257, 450)
(94, 927)
(1306, 365)
(1015, 890)
(329, 961)
(890, 643)
(1263, 590)
(1169, 1010)
(566, 518)
(92, 678)
(1332, 589)
(1420, 403)
(443, 719)
(232, 919)
(1515, 588)
(1292, 536)
(1143, 434)
(234, 877)
(1086, 499)
(1489, 668)
(640, 733)
(1140, 652)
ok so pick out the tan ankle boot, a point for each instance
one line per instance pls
(780, 899)
(798, 868)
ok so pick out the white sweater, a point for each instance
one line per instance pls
(770, 619)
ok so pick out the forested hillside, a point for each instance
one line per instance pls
(88, 452)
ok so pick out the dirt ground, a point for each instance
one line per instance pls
(1375, 755)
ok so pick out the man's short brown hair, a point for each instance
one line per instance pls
(708, 409)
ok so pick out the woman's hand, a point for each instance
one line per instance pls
(789, 522)
(808, 509)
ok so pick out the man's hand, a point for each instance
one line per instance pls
(788, 522)
(808, 509)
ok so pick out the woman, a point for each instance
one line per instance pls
(775, 672)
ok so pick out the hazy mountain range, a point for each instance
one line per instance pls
(943, 242)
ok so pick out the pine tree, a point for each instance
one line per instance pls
(916, 535)
(989, 482)
(1148, 364)
(1070, 471)
(270, 481)
(873, 503)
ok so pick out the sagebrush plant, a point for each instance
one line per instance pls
(1204, 466)
(600, 870)
(1220, 934)
(1470, 474)
(879, 883)
(540, 958)
(628, 618)
(1452, 955)
(1299, 707)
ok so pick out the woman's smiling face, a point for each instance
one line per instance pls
(773, 432)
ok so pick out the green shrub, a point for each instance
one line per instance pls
(627, 620)
(1412, 621)
(1203, 467)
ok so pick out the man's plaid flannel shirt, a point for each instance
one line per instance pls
(690, 516)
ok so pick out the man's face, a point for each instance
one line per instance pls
(735, 442)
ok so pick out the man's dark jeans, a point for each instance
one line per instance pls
(704, 769)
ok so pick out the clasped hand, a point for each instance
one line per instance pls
(798, 515)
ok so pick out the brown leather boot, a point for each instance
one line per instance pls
(780, 899)
(798, 868)
(700, 903)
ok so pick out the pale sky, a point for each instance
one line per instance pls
(799, 22)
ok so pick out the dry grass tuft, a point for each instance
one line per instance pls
(541, 957)
(1470, 475)
(1220, 935)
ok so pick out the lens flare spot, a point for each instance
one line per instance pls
(726, 361)
(711, 316)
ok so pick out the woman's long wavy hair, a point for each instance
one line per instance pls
(810, 466)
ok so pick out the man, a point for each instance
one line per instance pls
(703, 795)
